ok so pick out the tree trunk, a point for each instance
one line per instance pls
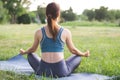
(13, 19)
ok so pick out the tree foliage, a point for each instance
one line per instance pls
(41, 13)
(15, 8)
(24, 19)
(34, 17)
(68, 15)
(90, 14)
(102, 14)
(3, 14)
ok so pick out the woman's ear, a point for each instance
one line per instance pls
(58, 19)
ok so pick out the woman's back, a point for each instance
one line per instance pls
(51, 52)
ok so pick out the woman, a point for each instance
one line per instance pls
(52, 38)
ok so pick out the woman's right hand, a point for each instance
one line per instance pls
(87, 53)
(22, 51)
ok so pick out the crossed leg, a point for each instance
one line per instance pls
(34, 61)
(73, 62)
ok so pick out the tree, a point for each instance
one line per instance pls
(89, 13)
(15, 8)
(117, 14)
(101, 14)
(117, 17)
(111, 15)
(3, 14)
(68, 15)
(41, 13)
(34, 17)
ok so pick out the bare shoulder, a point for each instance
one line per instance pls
(67, 31)
(38, 33)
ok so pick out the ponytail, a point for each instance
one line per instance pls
(52, 27)
(52, 13)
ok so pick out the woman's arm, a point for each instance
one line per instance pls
(71, 46)
(32, 49)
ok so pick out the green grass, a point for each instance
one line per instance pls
(6, 75)
(103, 43)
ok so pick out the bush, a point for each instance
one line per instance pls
(68, 15)
(25, 19)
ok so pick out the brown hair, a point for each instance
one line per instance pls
(52, 12)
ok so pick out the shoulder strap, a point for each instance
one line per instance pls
(60, 32)
(43, 31)
(43, 34)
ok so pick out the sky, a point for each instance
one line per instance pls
(78, 6)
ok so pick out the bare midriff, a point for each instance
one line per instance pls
(52, 57)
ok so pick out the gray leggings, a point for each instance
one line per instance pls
(59, 69)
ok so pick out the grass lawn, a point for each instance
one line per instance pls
(103, 43)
